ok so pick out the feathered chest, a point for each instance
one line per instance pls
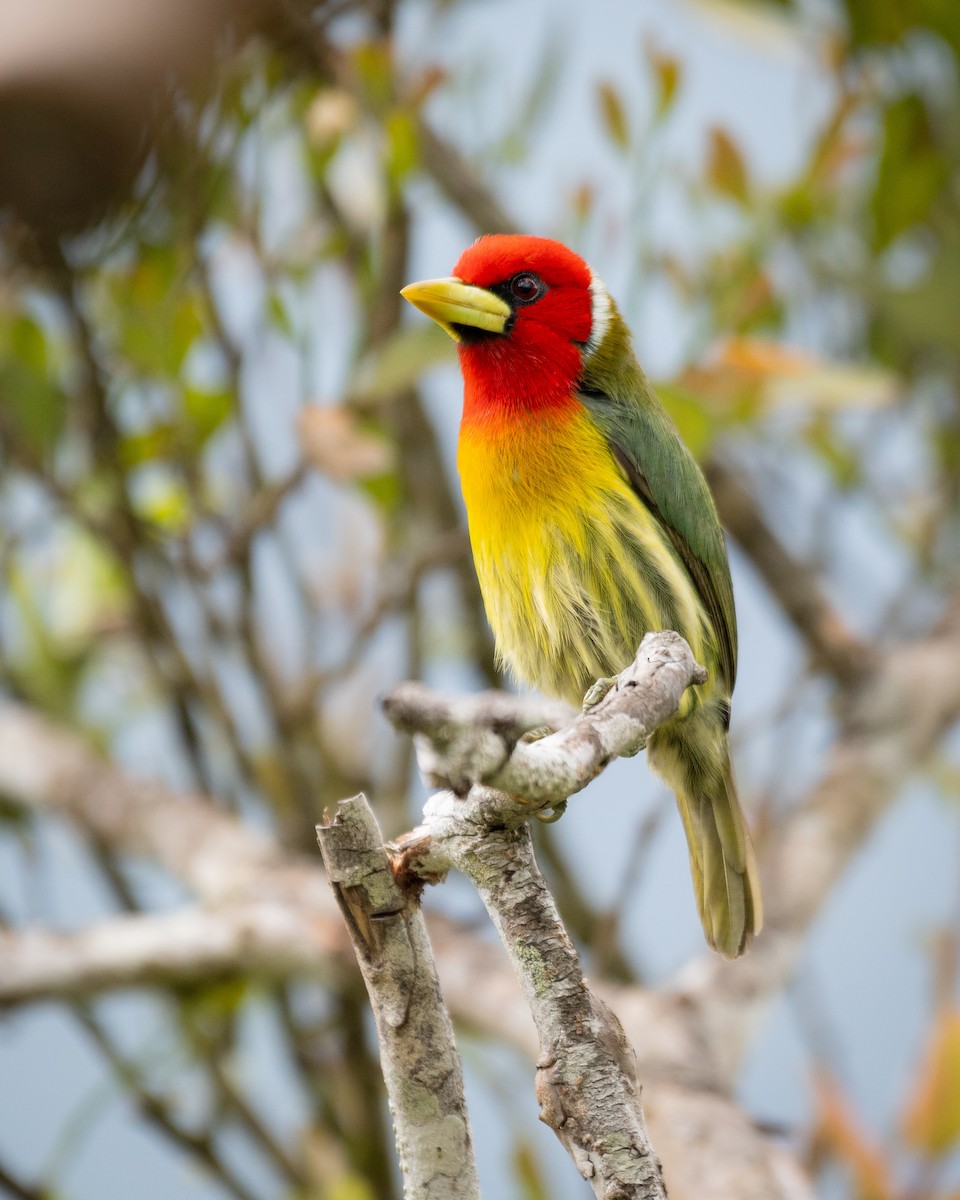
(533, 482)
(573, 568)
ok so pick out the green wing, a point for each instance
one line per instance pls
(666, 478)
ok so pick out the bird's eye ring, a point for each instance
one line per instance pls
(525, 288)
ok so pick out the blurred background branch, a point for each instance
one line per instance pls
(229, 520)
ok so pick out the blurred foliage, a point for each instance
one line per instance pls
(222, 498)
(931, 1123)
(930, 1127)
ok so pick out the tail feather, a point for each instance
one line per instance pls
(692, 757)
(723, 911)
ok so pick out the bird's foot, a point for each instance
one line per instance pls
(548, 816)
(597, 692)
(535, 735)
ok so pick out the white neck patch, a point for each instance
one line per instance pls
(600, 313)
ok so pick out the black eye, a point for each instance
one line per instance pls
(526, 288)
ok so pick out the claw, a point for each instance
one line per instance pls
(597, 692)
(535, 735)
(555, 813)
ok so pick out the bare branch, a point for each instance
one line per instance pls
(474, 742)
(418, 1054)
(157, 1110)
(712, 1150)
(18, 1189)
(46, 767)
(269, 908)
(461, 184)
(586, 1070)
(890, 725)
(261, 939)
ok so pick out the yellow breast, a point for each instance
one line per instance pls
(573, 568)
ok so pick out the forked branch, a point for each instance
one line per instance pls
(497, 779)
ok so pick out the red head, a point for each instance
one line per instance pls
(521, 310)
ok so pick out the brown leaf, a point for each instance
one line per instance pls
(839, 1132)
(332, 113)
(667, 75)
(582, 201)
(333, 443)
(762, 359)
(726, 169)
(931, 1119)
(431, 78)
(613, 115)
(778, 377)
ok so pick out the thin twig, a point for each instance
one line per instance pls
(20, 1190)
(796, 587)
(155, 1109)
(462, 753)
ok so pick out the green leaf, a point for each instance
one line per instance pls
(386, 491)
(161, 498)
(156, 315)
(34, 406)
(16, 820)
(873, 23)
(45, 672)
(697, 428)
(943, 17)
(400, 361)
(206, 411)
(922, 317)
(27, 341)
(147, 446)
(278, 316)
(913, 170)
(842, 463)
(403, 145)
(208, 1005)
(533, 1185)
(374, 68)
(88, 592)
(350, 1187)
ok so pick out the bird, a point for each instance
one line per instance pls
(591, 524)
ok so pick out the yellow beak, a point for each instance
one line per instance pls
(452, 302)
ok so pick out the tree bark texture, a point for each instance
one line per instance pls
(421, 1066)
(586, 1069)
